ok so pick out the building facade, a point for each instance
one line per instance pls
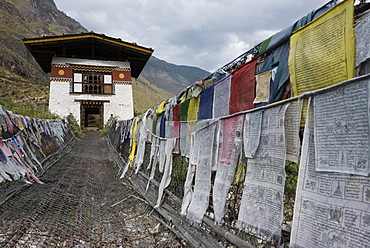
(90, 90)
(90, 75)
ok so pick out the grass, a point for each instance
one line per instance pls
(146, 95)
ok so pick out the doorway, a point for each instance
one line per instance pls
(92, 114)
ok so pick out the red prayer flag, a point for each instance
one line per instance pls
(242, 90)
(229, 129)
(175, 111)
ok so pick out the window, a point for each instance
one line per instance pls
(92, 83)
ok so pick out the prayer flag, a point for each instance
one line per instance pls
(242, 88)
(175, 110)
(323, 53)
(229, 130)
(183, 110)
(205, 104)
(193, 109)
(221, 97)
(263, 87)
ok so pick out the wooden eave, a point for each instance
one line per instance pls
(88, 46)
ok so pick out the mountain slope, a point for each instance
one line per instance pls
(147, 95)
(22, 81)
(33, 18)
(173, 78)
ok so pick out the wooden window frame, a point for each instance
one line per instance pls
(93, 83)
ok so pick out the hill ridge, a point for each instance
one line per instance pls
(20, 75)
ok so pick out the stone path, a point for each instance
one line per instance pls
(83, 203)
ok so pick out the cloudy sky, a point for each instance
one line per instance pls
(203, 33)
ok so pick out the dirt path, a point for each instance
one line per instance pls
(82, 204)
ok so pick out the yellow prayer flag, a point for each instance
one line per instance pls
(19, 123)
(240, 173)
(193, 109)
(322, 53)
(160, 108)
(133, 143)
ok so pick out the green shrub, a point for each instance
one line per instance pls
(105, 130)
(107, 126)
(28, 110)
(75, 126)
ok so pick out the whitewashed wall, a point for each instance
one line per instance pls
(62, 102)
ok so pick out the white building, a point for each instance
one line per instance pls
(90, 75)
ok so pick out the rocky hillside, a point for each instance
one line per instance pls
(29, 18)
(22, 81)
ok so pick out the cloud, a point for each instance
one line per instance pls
(202, 33)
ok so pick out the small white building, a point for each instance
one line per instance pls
(90, 75)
